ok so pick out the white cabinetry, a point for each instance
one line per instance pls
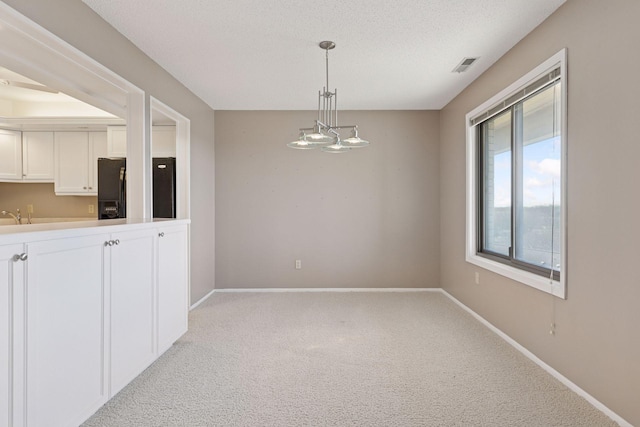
(83, 315)
(11, 284)
(37, 156)
(117, 141)
(163, 141)
(76, 161)
(10, 155)
(66, 312)
(26, 156)
(173, 292)
(132, 305)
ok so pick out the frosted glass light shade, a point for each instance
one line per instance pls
(355, 141)
(336, 148)
(302, 143)
(320, 138)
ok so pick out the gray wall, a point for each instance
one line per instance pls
(367, 218)
(78, 25)
(597, 343)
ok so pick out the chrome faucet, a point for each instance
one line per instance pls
(16, 217)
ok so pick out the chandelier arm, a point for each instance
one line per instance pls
(345, 127)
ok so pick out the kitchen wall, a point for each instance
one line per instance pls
(367, 218)
(77, 24)
(597, 343)
(45, 203)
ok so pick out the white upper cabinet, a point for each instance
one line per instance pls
(116, 141)
(76, 162)
(163, 141)
(10, 155)
(26, 156)
(37, 156)
(97, 149)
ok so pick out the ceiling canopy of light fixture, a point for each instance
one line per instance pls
(325, 133)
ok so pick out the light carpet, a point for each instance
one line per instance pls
(343, 359)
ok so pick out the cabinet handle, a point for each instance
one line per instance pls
(90, 188)
(20, 257)
(117, 242)
(108, 243)
(84, 188)
(161, 234)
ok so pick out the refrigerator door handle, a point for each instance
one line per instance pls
(121, 187)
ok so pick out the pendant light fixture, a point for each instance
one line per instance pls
(324, 134)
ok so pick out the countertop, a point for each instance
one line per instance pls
(53, 230)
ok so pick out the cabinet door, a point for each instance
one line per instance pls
(117, 141)
(163, 141)
(97, 149)
(173, 285)
(10, 155)
(37, 156)
(66, 313)
(132, 305)
(71, 165)
(11, 284)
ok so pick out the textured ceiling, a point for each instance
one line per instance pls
(264, 55)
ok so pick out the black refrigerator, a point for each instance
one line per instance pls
(112, 188)
(164, 187)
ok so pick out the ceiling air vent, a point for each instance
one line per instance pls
(462, 66)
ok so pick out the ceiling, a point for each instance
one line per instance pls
(13, 93)
(264, 55)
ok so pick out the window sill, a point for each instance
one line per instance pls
(553, 287)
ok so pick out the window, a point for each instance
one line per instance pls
(516, 149)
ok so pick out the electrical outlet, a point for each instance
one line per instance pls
(298, 264)
(92, 209)
(477, 278)
(29, 208)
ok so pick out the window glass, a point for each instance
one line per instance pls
(537, 226)
(496, 148)
(520, 181)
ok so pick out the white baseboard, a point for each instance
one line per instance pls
(201, 300)
(327, 290)
(557, 375)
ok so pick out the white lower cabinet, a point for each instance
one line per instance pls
(11, 283)
(66, 313)
(173, 295)
(132, 305)
(82, 316)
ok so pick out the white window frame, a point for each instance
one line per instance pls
(545, 284)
